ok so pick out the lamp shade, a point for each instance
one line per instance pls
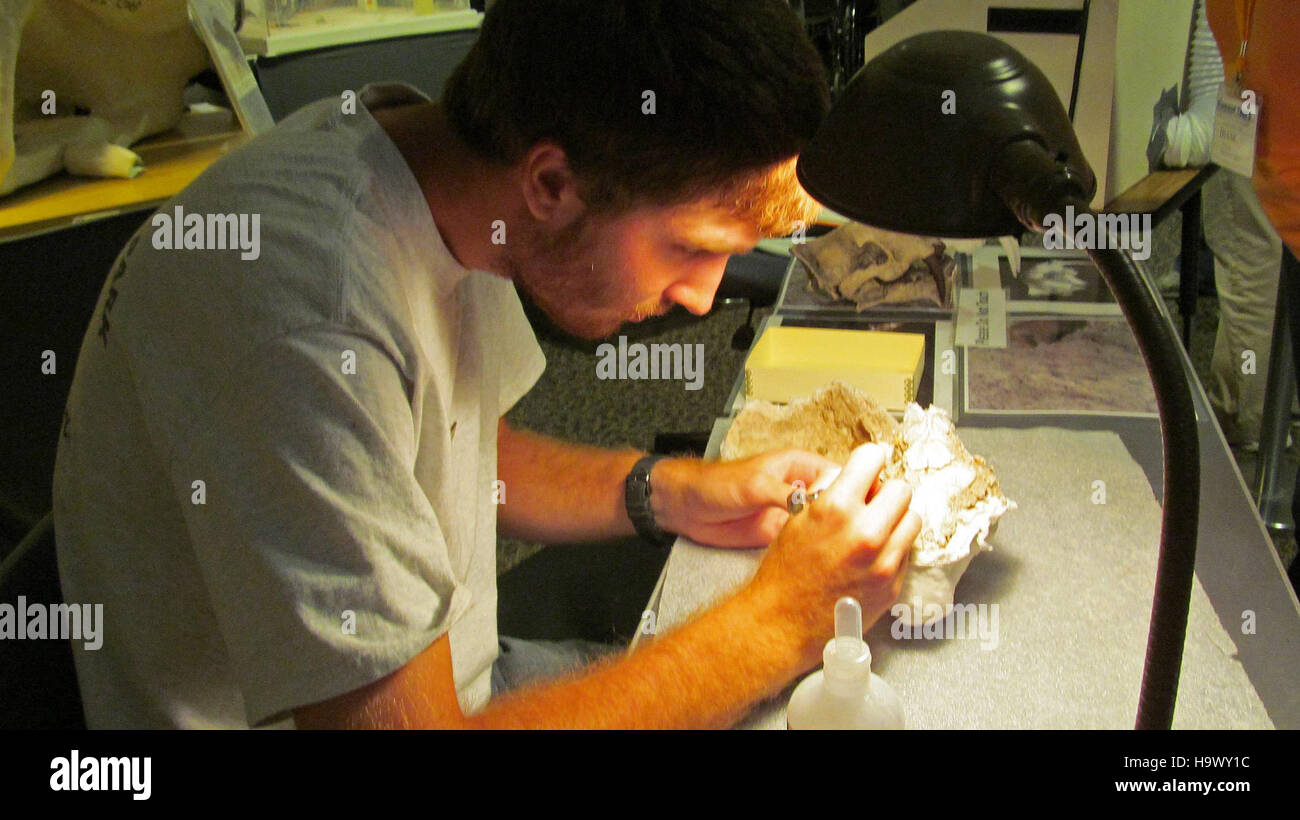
(915, 141)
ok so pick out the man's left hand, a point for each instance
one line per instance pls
(731, 503)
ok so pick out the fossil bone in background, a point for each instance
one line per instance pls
(871, 266)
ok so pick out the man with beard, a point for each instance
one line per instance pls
(277, 474)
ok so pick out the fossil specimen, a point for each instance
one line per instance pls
(870, 266)
(955, 493)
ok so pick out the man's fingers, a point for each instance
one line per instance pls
(856, 479)
(875, 488)
(766, 490)
(884, 513)
(793, 468)
(825, 479)
(770, 523)
(895, 552)
(756, 530)
(805, 466)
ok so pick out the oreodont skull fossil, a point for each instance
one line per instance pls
(955, 493)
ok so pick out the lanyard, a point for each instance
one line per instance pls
(1245, 17)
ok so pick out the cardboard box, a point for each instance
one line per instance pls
(792, 362)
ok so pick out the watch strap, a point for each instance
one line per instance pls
(636, 495)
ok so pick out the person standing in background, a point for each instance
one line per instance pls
(1247, 251)
(1247, 254)
(1258, 43)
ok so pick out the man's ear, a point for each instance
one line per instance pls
(550, 187)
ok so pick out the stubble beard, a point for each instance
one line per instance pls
(649, 309)
(544, 272)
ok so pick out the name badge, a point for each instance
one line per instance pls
(1236, 124)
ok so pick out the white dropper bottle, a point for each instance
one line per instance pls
(844, 693)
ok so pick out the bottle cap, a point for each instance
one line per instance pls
(847, 658)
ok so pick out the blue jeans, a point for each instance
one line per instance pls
(522, 662)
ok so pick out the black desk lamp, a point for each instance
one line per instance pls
(953, 133)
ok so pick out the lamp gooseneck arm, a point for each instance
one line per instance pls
(1033, 184)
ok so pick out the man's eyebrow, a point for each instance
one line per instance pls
(716, 245)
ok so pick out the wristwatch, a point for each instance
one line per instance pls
(636, 495)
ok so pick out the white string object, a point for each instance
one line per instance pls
(1188, 135)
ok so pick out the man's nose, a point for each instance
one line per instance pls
(696, 292)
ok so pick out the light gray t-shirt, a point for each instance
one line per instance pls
(277, 473)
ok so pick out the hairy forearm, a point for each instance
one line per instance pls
(557, 492)
(703, 675)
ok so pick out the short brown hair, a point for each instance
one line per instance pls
(738, 90)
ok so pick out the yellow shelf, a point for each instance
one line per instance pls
(315, 29)
(171, 161)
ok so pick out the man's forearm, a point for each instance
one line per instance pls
(708, 672)
(705, 675)
(557, 492)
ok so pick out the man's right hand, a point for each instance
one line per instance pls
(853, 540)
